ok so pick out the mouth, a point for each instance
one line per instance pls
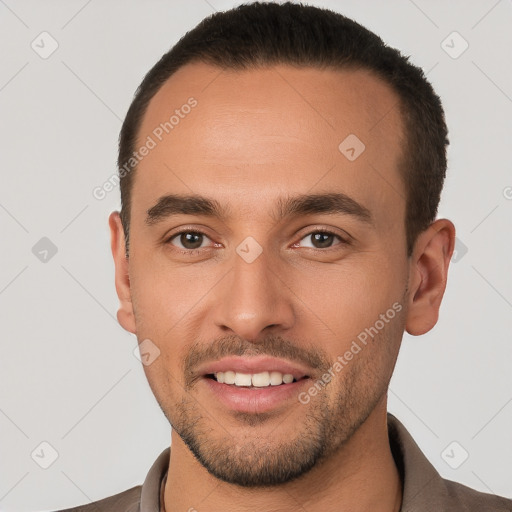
(254, 385)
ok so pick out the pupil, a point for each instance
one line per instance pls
(193, 239)
(326, 239)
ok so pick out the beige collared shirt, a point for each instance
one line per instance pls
(424, 490)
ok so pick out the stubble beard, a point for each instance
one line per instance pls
(252, 460)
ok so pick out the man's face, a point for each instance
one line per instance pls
(206, 296)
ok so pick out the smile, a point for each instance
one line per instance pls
(258, 380)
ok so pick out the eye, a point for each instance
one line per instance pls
(323, 239)
(188, 240)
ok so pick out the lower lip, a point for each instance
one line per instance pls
(254, 400)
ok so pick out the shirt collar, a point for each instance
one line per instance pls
(422, 486)
(151, 488)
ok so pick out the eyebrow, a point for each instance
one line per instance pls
(305, 204)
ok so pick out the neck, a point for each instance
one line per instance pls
(360, 476)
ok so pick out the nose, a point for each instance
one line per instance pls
(254, 297)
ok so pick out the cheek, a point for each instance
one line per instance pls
(164, 294)
(165, 383)
(349, 299)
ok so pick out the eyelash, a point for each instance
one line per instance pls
(192, 252)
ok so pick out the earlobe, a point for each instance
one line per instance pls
(428, 275)
(125, 315)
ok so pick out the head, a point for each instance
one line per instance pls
(282, 213)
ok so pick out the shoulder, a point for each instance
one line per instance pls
(465, 498)
(126, 501)
(425, 489)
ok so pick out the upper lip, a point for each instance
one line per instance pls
(255, 364)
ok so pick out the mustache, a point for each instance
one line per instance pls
(273, 346)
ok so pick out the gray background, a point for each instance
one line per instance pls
(69, 375)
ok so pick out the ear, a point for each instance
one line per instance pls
(428, 275)
(125, 314)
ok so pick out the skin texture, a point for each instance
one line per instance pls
(256, 136)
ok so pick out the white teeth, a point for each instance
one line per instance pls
(229, 377)
(242, 379)
(258, 380)
(276, 378)
(261, 380)
(287, 378)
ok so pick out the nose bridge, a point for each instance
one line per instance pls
(254, 297)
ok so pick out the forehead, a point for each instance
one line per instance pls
(262, 132)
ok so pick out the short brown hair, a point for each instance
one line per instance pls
(262, 34)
